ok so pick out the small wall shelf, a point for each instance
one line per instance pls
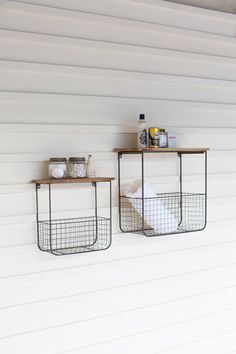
(166, 213)
(74, 235)
(161, 150)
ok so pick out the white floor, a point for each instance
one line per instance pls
(174, 295)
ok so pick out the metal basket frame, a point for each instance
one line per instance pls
(143, 229)
(93, 233)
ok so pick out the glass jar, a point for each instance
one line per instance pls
(154, 137)
(77, 167)
(57, 167)
(163, 141)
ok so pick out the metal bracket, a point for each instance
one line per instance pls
(38, 185)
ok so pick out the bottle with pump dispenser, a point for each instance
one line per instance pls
(142, 131)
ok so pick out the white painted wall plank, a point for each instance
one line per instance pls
(35, 108)
(102, 330)
(221, 342)
(142, 302)
(127, 269)
(113, 84)
(155, 12)
(74, 77)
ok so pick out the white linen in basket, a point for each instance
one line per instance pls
(156, 213)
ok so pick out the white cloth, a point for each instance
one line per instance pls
(156, 214)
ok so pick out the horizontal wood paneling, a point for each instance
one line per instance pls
(35, 108)
(93, 29)
(126, 249)
(192, 281)
(117, 57)
(140, 65)
(42, 79)
(104, 306)
(74, 77)
(126, 325)
(144, 339)
(161, 13)
(127, 272)
(222, 341)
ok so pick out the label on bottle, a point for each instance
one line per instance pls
(172, 141)
(143, 138)
(154, 137)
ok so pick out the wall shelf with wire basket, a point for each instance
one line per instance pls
(73, 235)
(163, 213)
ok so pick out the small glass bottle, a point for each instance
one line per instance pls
(76, 167)
(91, 171)
(57, 167)
(163, 141)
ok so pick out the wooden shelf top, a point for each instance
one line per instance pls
(160, 150)
(72, 180)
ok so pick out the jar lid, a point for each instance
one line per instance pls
(58, 159)
(156, 128)
(77, 159)
(162, 130)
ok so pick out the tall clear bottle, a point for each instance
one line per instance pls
(142, 132)
(91, 171)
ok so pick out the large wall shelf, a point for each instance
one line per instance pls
(161, 150)
(163, 213)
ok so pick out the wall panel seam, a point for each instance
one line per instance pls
(117, 96)
(92, 40)
(123, 70)
(116, 17)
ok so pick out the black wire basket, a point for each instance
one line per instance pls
(76, 235)
(165, 214)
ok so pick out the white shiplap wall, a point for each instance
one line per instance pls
(74, 75)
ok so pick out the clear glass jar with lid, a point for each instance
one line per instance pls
(77, 167)
(163, 139)
(57, 167)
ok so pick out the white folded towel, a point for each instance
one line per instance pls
(156, 214)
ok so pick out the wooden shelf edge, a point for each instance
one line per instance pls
(72, 180)
(160, 150)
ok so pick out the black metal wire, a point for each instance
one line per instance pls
(157, 216)
(167, 213)
(75, 235)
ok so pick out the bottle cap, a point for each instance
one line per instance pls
(142, 116)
